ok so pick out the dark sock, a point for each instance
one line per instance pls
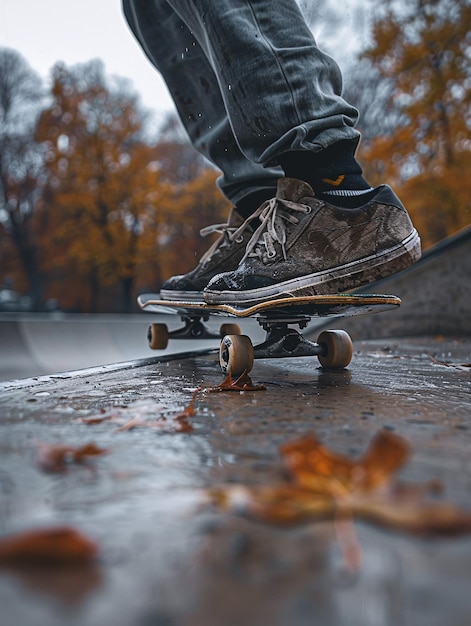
(250, 203)
(333, 173)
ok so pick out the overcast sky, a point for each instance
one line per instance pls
(76, 31)
(46, 31)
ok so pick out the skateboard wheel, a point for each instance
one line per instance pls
(157, 336)
(230, 329)
(236, 354)
(338, 349)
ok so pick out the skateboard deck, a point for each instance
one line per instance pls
(336, 305)
(333, 348)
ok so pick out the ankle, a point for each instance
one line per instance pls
(333, 173)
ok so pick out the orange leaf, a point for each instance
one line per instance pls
(55, 458)
(243, 383)
(50, 546)
(315, 467)
(281, 504)
(322, 483)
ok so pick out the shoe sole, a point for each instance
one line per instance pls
(333, 280)
(181, 296)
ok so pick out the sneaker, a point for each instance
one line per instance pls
(223, 256)
(305, 246)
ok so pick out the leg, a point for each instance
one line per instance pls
(281, 92)
(174, 51)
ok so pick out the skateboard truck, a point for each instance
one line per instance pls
(282, 341)
(194, 327)
(333, 348)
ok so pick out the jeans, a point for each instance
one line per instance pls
(248, 81)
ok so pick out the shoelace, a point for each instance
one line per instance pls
(228, 235)
(273, 214)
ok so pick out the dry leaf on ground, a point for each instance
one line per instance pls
(55, 458)
(242, 383)
(321, 483)
(463, 366)
(147, 414)
(50, 546)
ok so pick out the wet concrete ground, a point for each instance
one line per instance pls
(168, 558)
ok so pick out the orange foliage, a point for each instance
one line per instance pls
(112, 214)
(424, 50)
(101, 184)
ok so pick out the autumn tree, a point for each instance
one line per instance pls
(421, 52)
(102, 181)
(21, 162)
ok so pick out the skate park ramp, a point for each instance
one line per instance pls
(435, 294)
(34, 345)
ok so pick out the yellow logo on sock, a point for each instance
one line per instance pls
(335, 183)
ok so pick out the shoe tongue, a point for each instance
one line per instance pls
(235, 219)
(293, 189)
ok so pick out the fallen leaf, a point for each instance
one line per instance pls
(463, 366)
(147, 414)
(243, 383)
(315, 467)
(95, 419)
(176, 423)
(189, 411)
(320, 483)
(183, 425)
(51, 546)
(55, 458)
(413, 515)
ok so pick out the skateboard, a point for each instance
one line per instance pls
(279, 319)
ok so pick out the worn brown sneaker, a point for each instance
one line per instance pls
(305, 246)
(224, 255)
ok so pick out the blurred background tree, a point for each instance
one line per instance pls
(100, 181)
(21, 95)
(416, 109)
